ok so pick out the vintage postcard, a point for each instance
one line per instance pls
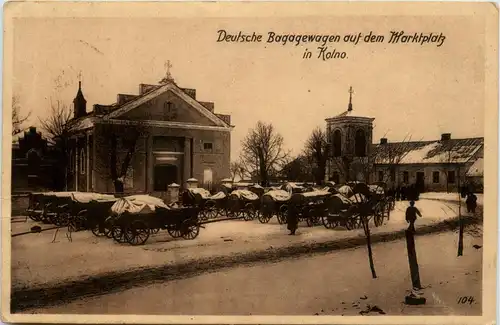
(237, 162)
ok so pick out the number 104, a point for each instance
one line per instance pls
(465, 299)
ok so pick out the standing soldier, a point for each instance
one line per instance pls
(471, 202)
(411, 215)
(292, 219)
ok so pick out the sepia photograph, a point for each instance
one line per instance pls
(250, 162)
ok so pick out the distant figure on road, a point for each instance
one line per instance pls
(471, 202)
(411, 215)
(403, 193)
(292, 219)
(398, 193)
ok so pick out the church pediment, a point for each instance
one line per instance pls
(169, 103)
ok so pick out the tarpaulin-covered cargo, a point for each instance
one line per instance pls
(244, 195)
(137, 204)
(278, 195)
(85, 197)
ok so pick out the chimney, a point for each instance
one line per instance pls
(445, 136)
(383, 141)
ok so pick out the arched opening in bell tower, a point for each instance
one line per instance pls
(360, 143)
(337, 143)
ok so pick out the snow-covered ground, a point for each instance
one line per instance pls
(449, 197)
(38, 262)
(337, 283)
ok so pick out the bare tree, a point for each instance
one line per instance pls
(56, 124)
(297, 169)
(317, 148)
(116, 147)
(17, 118)
(262, 151)
(237, 170)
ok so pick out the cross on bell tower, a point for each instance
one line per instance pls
(350, 99)
(168, 76)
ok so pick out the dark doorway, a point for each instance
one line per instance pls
(164, 175)
(420, 181)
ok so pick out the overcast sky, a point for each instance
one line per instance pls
(420, 90)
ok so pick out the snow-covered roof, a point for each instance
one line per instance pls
(477, 168)
(428, 152)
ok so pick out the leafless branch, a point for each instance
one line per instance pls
(56, 124)
(17, 118)
(262, 151)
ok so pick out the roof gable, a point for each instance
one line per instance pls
(155, 92)
(477, 168)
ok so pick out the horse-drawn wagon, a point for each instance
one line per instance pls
(52, 207)
(274, 203)
(136, 217)
(243, 203)
(211, 206)
(309, 206)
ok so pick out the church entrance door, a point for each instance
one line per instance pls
(164, 175)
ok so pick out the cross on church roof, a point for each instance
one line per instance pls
(168, 75)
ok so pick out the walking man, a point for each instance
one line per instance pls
(411, 215)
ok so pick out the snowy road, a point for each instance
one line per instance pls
(35, 257)
(338, 283)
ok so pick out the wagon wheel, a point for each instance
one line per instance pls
(154, 231)
(137, 233)
(96, 231)
(248, 212)
(190, 229)
(346, 221)
(118, 234)
(209, 211)
(108, 227)
(264, 217)
(282, 214)
(329, 221)
(35, 217)
(175, 232)
(378, 219)
(311, 219)
(61, 219)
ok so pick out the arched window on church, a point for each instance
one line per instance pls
(337, 143)
(360, 143)
(82, 161)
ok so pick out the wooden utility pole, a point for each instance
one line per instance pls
(412, 259)
(366, 228)
(415, 298)
(460, 221)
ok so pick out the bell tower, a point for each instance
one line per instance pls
(350, 138)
